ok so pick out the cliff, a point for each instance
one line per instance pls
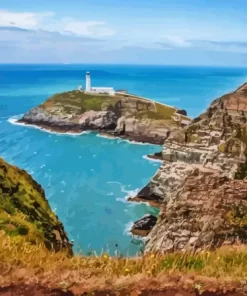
(201, 186)
(25, 214)
(122, 115)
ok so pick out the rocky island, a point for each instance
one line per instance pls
(122, 115)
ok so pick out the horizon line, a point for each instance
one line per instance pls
(121, 64)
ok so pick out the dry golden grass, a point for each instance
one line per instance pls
(22, 262)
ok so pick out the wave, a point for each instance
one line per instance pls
(127, 228)
(152, 159)
(14, 120)
(130, 193)
(125, 140)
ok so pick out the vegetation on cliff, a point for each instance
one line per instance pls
(77, 102)
(25, 214)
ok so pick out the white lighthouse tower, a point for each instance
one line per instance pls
(88, 82)
(97, 90)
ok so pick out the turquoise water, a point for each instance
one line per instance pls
(87, 178)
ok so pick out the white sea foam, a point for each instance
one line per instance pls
(130, 193)
(124, 140)
(14, 120)
(43, 166)
(152, 159)
(127, 228)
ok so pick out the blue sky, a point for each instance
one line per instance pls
(184, 32)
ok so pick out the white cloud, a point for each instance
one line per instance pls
(26, 20)
(174, 41)
(91, 28)
(49, 22)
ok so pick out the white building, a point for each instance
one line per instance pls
(97, 90)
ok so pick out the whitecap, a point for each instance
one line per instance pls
(122, 199)
(127, 228)
(111, 193)
(131, 193)
(125, 140)
(43, 165)
(152, 159)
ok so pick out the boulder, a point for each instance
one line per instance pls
(143, 226)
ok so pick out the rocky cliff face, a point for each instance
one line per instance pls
(25, 213)
(123, 115)
(201, 186)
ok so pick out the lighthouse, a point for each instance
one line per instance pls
(97, 90)
(88, 82)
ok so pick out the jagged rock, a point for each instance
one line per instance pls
(202, 204)
(98, 120)
(143, 226)
(182, 112)
(209, 211)
(147, 195)
(156, 155)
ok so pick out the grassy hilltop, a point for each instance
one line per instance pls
(77, 102)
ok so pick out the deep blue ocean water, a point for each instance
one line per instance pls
(87, 178)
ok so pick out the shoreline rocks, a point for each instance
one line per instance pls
(143, 226)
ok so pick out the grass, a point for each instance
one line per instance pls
(79, 102)
(24, 210)
(76, 103)
(25, 262)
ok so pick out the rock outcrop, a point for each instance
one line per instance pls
(143, 226)
(25, 213)
(123, 115)
(201, 187)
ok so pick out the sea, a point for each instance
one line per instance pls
(87, 178)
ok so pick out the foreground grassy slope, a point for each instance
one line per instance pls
(25, 214)
(226, 267)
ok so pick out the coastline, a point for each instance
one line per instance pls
(77, 131)
(45, 128)
(61, 132)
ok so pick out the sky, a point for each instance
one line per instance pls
(177, 32)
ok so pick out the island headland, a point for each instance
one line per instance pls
(117, 114)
